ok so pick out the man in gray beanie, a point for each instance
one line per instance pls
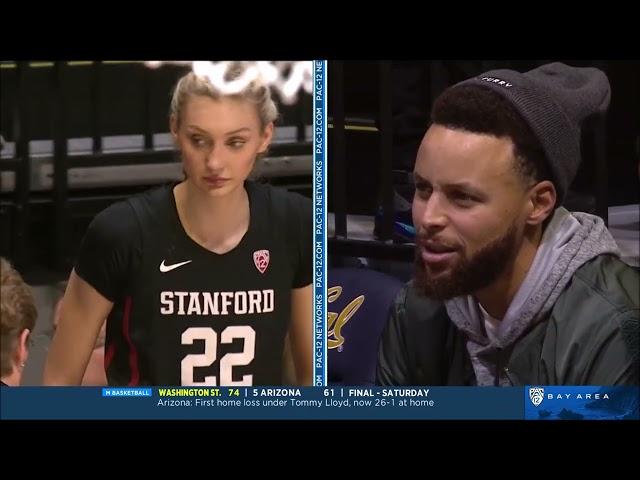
(511, 288)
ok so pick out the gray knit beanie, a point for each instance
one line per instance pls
(554, 99)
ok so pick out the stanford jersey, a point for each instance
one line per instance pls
(184, 315)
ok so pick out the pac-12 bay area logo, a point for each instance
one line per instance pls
(536, 395)
(261, 260)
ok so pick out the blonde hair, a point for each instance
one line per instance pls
(17, 312)
(256, 92)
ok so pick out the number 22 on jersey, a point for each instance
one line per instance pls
(227, 362)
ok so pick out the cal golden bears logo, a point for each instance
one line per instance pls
(337, 321)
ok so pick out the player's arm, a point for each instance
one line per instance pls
(301, 334)
(95, 374)
(83, 312)
(108, 257)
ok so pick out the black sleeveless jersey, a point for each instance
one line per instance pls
(184, 315)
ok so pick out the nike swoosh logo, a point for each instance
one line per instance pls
(167, 268)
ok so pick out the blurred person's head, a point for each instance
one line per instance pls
(18, 316)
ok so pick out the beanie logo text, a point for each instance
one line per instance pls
(497, 80)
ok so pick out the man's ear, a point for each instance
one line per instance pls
(542, 202)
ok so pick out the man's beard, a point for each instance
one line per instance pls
(467, 275)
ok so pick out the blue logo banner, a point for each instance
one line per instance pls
(581, 403)
(126, 392)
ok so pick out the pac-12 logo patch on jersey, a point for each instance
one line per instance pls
(261, 259)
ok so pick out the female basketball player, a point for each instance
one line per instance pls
(200, 280)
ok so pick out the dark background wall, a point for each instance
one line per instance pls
(416, 84)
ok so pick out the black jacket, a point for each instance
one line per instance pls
(589, 337)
